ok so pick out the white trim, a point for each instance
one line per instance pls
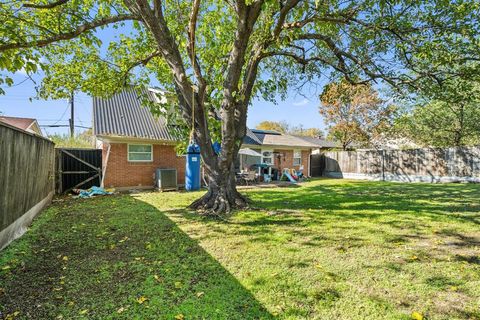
(132, 140)
(309, 167)
(293, 160)
(271, 157)
(139, 144)
(105, 165)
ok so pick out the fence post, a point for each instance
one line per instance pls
(383, 165)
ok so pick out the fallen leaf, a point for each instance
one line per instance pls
(179, 317)
(12, 315)
(199, 294)
(120, 310)
(84, 311)
(142, 299)
(417, 315)
(65, 258)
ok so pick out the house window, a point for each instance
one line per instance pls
(267, 156)
(140, 152)
(297, 158)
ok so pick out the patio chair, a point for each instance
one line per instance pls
(251, 176)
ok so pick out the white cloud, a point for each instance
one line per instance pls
(301, 103)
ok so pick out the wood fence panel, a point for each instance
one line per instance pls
(26, 175)
(428, 165)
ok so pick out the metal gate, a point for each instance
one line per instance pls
(317, 165)
(77, 168)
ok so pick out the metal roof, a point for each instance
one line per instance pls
(123, 115)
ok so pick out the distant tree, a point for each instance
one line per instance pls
(285, 128)
(281, 126)
(355, 113)
(449, 116)
(81, 140)
(440, 124)
(306, 132)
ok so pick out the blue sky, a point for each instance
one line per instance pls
(298, 109)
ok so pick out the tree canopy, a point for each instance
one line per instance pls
(448, 116)
(215, 56)
(356, 114)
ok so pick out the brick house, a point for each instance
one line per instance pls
(280, 150)
(135, 143)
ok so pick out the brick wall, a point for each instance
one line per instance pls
(286, 160)
(122, 173)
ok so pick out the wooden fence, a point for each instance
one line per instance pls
(416, 165)
(26, 180)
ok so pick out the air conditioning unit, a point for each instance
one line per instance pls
(166, 179)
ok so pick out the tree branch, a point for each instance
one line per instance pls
(45, 6)
(67, 35)
(193, 58)
(141, 62)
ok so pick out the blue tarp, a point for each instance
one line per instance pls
(93, 191)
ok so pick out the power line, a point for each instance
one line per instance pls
(62, 126)
(63, 114)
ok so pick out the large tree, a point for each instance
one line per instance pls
(216, 55)
(448, 116)
(355, 112)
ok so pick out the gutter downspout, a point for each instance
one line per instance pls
(104, 170)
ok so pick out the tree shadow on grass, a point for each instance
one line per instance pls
(372, 199)
(113, 258)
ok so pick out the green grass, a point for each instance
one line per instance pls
(329, 249)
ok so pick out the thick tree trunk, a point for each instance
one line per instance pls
(222, 195)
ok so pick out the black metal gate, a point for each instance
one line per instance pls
(77, 168)
(317, 165)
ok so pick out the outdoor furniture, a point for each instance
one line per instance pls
(250, 176)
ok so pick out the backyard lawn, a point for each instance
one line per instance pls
(329, 249)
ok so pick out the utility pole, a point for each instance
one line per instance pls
(72, 113)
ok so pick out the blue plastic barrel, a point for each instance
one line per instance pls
(192, 172)
(217, 147)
